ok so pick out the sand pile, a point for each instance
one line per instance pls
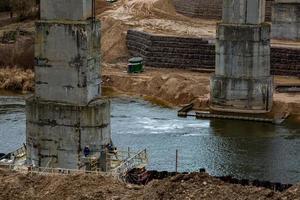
(169, 87)
(191, 186)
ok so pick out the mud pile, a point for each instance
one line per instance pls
(191, 186)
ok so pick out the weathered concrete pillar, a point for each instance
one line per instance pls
(242, 81)
(286, 19)
(66, 112)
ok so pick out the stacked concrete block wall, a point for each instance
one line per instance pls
(285, 61)
(199, 8)
(286, 19)
(209, 9)
(170, 51)
(198, 53)
(66, 113)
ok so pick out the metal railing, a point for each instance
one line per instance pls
(127, 160)
(138, 160)
(63, 171)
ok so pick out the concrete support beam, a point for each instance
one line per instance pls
(243, 50)
(242, 81)
(243, 11)
(66, 112)
(66, 10)
(67, 58)
(286, 19)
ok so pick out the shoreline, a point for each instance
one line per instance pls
(172, 88)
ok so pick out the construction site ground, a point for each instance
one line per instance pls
(14, 185)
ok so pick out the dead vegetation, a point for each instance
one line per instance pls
(16, 79)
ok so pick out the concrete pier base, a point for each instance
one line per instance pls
(245, 95)
(286, 19)
(58, 132)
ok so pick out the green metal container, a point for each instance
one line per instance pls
(135, 65)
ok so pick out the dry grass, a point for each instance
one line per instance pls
(16, 79)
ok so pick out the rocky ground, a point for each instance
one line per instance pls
(15, 185)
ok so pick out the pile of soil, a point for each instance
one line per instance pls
(173, 87)
(15, 185)
(32, 186)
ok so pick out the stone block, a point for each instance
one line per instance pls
(60, 131)
(66, 9)
(243, 11)
(67, 61)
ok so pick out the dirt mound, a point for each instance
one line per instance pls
(102, 5)
(202, 186)
(30, 186)
(174, 87)
(190, 186)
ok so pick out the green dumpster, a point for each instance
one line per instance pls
(135, 65)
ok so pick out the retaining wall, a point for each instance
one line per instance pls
(211, 9)
(198, 53)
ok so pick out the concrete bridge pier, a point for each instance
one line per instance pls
(286, 19)
(242, 81)
(66, 113)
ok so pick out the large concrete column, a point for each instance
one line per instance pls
(242, 81)
(66, 112)
(286, 19)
